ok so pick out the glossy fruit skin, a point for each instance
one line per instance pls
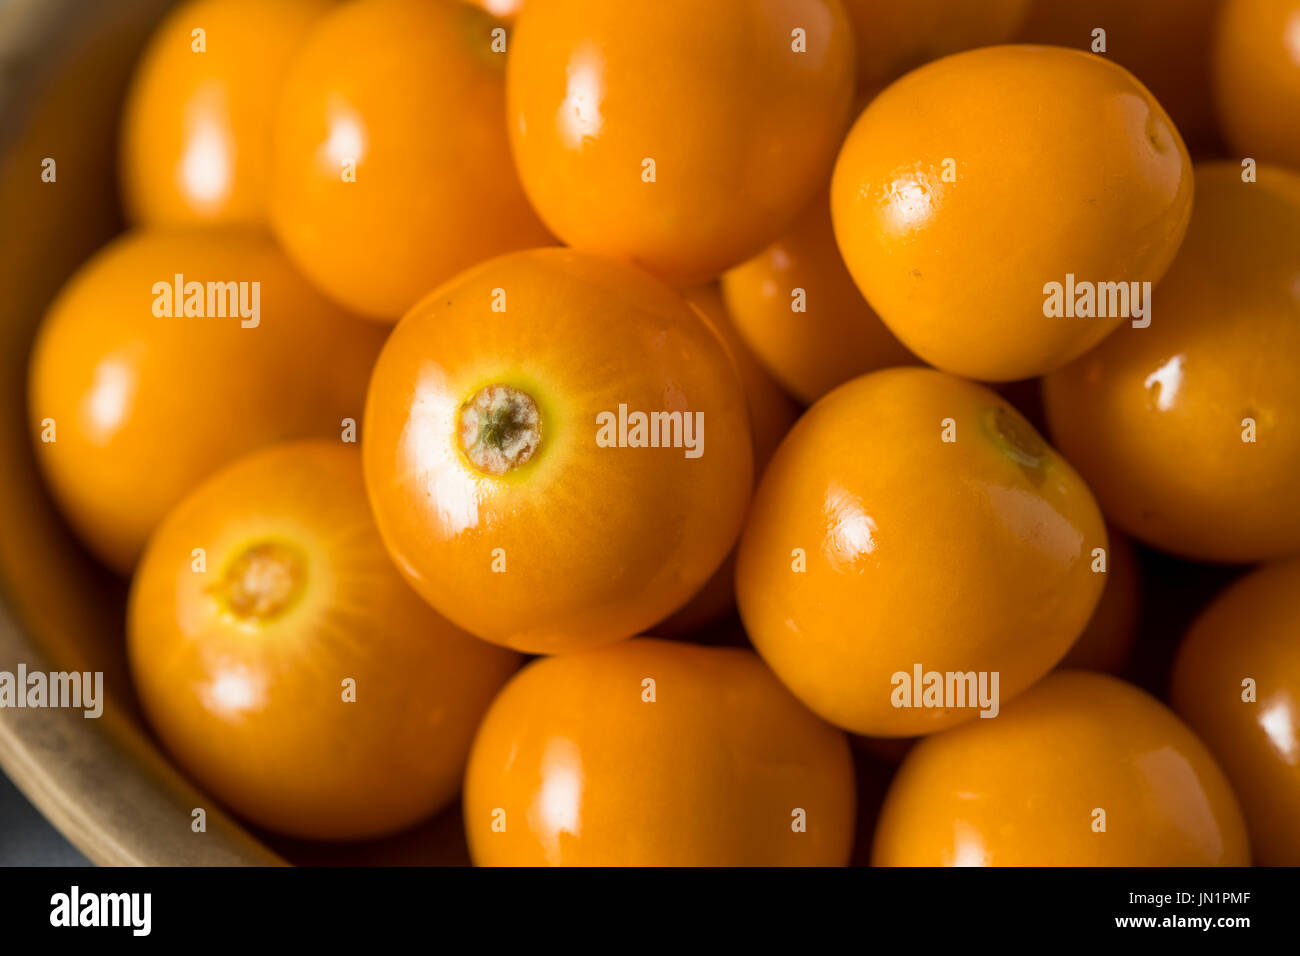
(253, 708)
(196, 131)
(1021, 789)
(505, 10)
(1164, 43)
(435, 190)
(1250, 631)
(146, 407)
(1153, 418)
(1107, 642)
(892, 38)
(589, 771)
(599, 542)
(1256, 77)
(742, 130)
(771, 414)
(957, 269)
(951, 555)
(836, 337)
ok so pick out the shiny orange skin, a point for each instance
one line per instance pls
(1021, 790)
(435, 190)
(893, 37)
(771, 413)
(742, 130)
(1250, 631)
(1153, 417)
(598, 542)
(1165, 43)
(1107, 642)
(146, 407)
(577, 766)
(1256, 76)
(837, 337)
(505, 10)
(196, 130)
(253, 706)
(951, 555)
(957, 269)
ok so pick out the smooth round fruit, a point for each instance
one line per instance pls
(1160, 420)
(678, 135)
(954, 235)
(131, 409)
(1165, 43)
(509, 465)
(1249, 634)
(294, 674)
(771, 413)
(392, 171)
(1030, 788)
(1107, 642)
(653, 753)
(796, 306)
(875, 546)
(1256, 77)
(892, 37)
(196, 128)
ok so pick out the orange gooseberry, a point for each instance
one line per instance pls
(679, 135)
(913, 523)
(965, 241)
(656, 753)
(391, 168)
(137, 391)
(1256, 77)
(1187, 430)
(196, 128)
(1080, 770)
(286, 665)
(557, 450)
(796, 306)
(1236, 680)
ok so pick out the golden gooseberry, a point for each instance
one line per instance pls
(913, 524)
(1236, 681)
(1080, 770)
(656, 753)
(138, 391)
(392, 170)
(965, 241)
(286, 665)
(679, 135)
(196, 127)
(557, 450)
(1256, 77)
(1189, 430)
